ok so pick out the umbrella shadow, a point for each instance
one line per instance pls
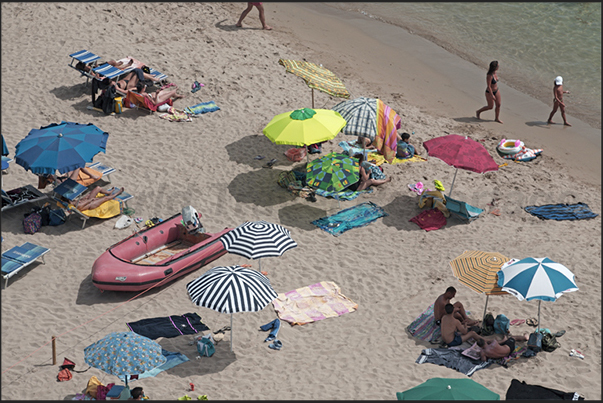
(400, 211)
(300, 216)
(259, 187)
(221, 359)
(67, 93)
(245, 150)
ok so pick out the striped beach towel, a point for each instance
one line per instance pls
(312, 303)
(561, 211)
(388, 122)
(424, 327)
(201, 108)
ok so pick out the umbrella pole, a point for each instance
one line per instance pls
(485, 309)
(452, 186)
(312, 98)
(231, 332)
(126, 378)
(538, 327)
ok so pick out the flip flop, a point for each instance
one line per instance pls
(532, 322)
(224, 329)
(560, 333)
(517, 322)
(276, 345)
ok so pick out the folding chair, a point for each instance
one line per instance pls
(20, 196)
(462, 210)
(85, 57)
(70, 190)
(19, 257)
(112, 72)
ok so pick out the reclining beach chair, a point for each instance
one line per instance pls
(6, 163)
(20, 196)
(138, 64)
(103, 169)
(462, 210)
(85, 57)
(19, 257)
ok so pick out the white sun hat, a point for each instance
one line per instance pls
(558, 80)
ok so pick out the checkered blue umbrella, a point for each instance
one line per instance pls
(536, 278)
(360, 115)
(124, 353)
(230, 289)
(60, 147)
(258, 239)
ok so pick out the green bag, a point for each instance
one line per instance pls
(488, 325)
(549, 342)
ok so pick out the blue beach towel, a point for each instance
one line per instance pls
(353, 217)
(203, 107)
(343, 195)
(351, 150)
(173, 359)
(562, 211)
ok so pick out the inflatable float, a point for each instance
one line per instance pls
(510, 146)
(167, 250)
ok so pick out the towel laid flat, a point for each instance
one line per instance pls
(168, 326)
(379, 159)
(343, 195)
(430, 220)
(173, 359)
(561, 211)
(353, 217)
(203, 107)
(312, 303)
(351, 148)
(453, 359)
(424, 327)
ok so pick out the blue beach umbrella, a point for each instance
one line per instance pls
(4, 147)
(536, 278)
(124, 353)
(60, 147)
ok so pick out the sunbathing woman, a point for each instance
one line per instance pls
(159, 97)
(90, 201)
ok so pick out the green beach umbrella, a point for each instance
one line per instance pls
(448, 389)
(333, 172)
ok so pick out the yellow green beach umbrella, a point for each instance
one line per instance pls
(317, 77)
(333, 172)
(303, 127)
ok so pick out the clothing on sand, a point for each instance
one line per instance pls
(520, 390)
(168, 326)
(453, 359)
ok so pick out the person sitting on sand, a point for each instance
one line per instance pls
(90, 201)
(434, 199)
(365, 142)
(404, 148)
(453, 331)
(499, 349)
(365, 179)
(460, 314)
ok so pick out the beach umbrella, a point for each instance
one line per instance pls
(316, 77)
(60, 147)
(373, 119)
(461, 152)
(536, 278)
(448, 389)
(124, 353)
(4, 147)
(230, 289)
(258, 239)
(333, 172)
(477, 270)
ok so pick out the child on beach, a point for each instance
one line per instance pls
(405, 149)
(260, 8)
(558, 100)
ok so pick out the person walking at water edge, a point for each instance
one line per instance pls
(492, 93)
(260, 8)
(558, 100)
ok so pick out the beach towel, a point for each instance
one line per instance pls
(561, 211)
(201, 108)
(379, 159)
(430, 220)
(87, 180)
(168, 326)
(108, 209)
(343, 195)
(173, 359)
(353, 217)
(174, 115)
(453, 359)
(424, 327)
(523, 391)
(351, 148)
(388, 122)
(135, 99)
(312, 303)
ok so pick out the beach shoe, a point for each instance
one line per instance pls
(576, 353)
(196, 86)
(270, 163)
(202, 397)
(224, 329)
(517, 322)
(559, 333)
(185, 397)
(259, 157)
(276, 345)
(532, 322)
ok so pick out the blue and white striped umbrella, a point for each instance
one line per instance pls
(230, 289)
(536, 278)
(360, 115)
(258, 239)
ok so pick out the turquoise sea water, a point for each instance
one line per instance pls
(533, 42)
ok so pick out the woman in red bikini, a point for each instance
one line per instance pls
(492, 93)
(260, 8)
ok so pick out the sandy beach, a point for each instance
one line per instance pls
(391, 268)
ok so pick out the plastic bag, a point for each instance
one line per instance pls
(296, 154)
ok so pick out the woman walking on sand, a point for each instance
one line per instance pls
(492, 93)
(260, 8)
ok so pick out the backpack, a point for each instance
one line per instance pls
(488, 325)
(56, 217)
(32, 223)
(549, 342)
(109, 100)
(205, 346)
(501, 324)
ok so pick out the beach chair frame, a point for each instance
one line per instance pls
(85, 57)
(11, 265)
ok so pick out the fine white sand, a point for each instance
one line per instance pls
(391, 268)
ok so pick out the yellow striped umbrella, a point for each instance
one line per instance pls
(316, 77)
(477, 270)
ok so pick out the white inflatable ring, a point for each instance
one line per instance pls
(508, 147)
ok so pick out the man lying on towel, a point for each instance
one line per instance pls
(454, 333)
(499, 349)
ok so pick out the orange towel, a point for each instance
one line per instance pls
(87, 180)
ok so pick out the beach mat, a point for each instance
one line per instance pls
(168, 326)
(203, 107)
(430, 220)
(343, 195)
(561, 211)
(453, 359)
(424, 327)
(379, 159)
(353, 217)
(173, 359)
(524, 391)
(312, 303)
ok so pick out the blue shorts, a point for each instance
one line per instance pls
(456, 341)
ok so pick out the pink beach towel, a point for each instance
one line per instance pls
(430, 219)
(312, 303)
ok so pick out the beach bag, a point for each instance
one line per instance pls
(501, 324)
(64, 375)
(56, 217)
(32, 223)
(535, 342)
(549, 342)
(488, 325)
(286, 178)
(108, 100)
(205, 346)
(296, 154)
(92, 386)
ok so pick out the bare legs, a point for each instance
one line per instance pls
(491, 102)
(260, 8)
(364, 184)
(76, 173)
(161, 96)
(461, 315)
(90, 201)
(555, 107)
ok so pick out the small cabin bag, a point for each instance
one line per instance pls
(205, 345)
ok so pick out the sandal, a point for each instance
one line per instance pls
(276, 345)
(559, 333)
(517, 322)
(532, 322)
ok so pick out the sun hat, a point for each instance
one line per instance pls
(558, 80)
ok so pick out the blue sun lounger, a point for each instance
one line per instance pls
(103, 169)
(85, 57)
(19, 257)
(462, 210)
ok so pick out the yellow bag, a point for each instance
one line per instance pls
(93, 384)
